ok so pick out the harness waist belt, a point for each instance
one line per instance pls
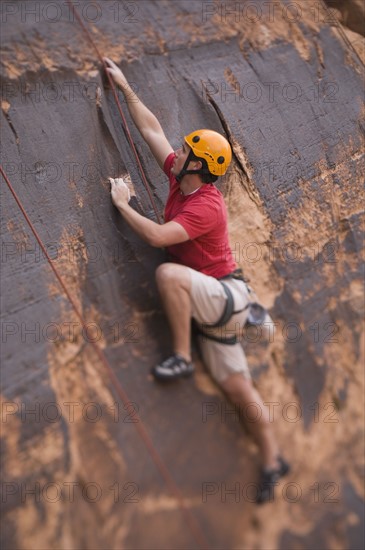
(256, 314)
(236, 274)
(231, 341)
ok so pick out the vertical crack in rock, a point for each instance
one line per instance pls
(321, 380)
(320, 57)
(238, 154)
(5, 106)
(347, 17)
(104, 121)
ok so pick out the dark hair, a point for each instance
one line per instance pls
(205, 175)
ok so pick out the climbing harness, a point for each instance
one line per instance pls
(256, 314)
(190, 520)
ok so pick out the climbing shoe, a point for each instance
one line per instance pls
(173, 367)
(269, 479)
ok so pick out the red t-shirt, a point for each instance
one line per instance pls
(203, 215)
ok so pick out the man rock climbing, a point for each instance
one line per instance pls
(201, 275)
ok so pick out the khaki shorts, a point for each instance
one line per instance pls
(208, 301)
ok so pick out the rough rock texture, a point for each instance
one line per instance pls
(286, 87)
(352, 13)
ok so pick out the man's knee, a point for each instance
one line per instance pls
(170, 273)
(239, 388)
(163, 273)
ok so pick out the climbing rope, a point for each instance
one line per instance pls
(124, 121)
(193, 526)
(189, 518)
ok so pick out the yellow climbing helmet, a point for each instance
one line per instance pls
(213, 147)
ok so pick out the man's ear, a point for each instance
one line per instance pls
(198, 165)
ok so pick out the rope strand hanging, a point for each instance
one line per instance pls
(192, 524)
(124, 121)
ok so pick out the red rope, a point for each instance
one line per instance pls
(125, 124)
(190, 520)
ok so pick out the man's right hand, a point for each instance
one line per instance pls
(115, 73)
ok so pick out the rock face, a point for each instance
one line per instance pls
(351, 12)
(286, 88)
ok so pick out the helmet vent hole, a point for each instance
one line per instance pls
(196, 139)
(220, 160)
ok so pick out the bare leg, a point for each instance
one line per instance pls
(242, 393)
(174, 284)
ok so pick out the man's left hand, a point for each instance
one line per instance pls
(120, 192)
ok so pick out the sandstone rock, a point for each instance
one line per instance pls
(287, 89)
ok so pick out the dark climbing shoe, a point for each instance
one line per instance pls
(269, 479)
(172, 368)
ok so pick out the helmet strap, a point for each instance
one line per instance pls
(184, 170)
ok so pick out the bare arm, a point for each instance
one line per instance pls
(146, 122)
(151, 232)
